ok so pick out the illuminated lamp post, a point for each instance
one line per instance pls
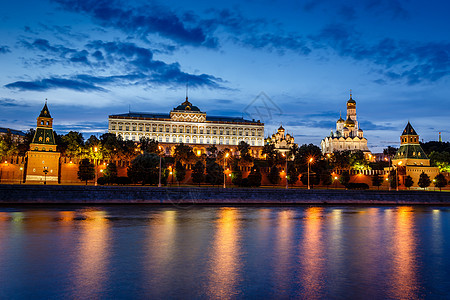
(21, 175)
(309, 163)
(399, 163)
(225, 175)
(159, 179)
(45, 174)
(335, 181)
(287, 184)
(95, 165)
(389, 174)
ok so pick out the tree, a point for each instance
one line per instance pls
(344, 179)
(72, 144)
(440, 181)
(236, 177)
(214, 172)
(424, 180)
(440, 160)
(144, 169)
(377, 180)
(390, 151)
(270, 153)
(149, 145)
(393, 180)
(7, 146)
(110, 173)
(24, 146)
(212, 150)
(341, 160)
(111, 146)
(326, 178)
(293, 175)
(358, 161)
(180, 172)
(198, 170)
(274, 175)
(255, 177)
(314, 179)
(183, 153)
(86, 170)
(303, 155)
(408, 182)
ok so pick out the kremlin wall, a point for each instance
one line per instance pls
(186, 123)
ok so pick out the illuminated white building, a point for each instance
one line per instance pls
(348, 135)
(283, 141)
(187, 124)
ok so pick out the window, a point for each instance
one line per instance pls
(194, 130)
(167, 129)
(221, 131)
(147, 129)
(214, 131)
(154, 129)
(127, 128)
(174, 139)
(160, 129)
(140, 128)
(160, 139)
(201, 140)
(187, 139)
(174, 129)
(194, 139)
(134, 128)
(113, 127)
(214, 141)
(120, 127)
(201, 131)
(188, 130)
(181, 129)
(228, 132)
(180, 140)
(207, 131)
(167, 139)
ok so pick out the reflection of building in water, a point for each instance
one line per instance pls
(187, 124)
(410, 157)
(348, 134)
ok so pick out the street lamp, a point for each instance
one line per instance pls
(285, 155)
(159, 179)
(21, 175)
(309, 162)
(389, 174)
(45, 174)
(95, 163)
(335, 181)
(399, 163)
(224, 175)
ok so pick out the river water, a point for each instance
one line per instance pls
(144, 252)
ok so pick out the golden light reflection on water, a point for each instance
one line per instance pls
(404, 281)
(224, 269)
(93, 255)
(283, 248)
(312, 255)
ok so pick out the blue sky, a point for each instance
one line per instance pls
(290, 62)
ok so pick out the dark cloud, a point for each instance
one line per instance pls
(401, 60)
(54, 83)
(143, 20)
(7, 102)
(87, 128)
(4, 49)
(134, 65)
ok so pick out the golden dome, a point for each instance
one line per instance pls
(349, 123)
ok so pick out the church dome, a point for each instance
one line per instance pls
(187, 106)
(349, 123)
(281, 128)
(340, 120)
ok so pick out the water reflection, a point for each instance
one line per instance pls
(313, 254)
(224, 269)
(404, 281)
(283, 251)
(93, 255)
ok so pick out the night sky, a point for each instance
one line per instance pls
(289, 62)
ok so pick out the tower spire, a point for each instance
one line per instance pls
(350, 93)
(187, 90)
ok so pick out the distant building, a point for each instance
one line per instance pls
(187, 124)
(43, 160)
(348, 135)
(283, 142)
(17, 136)
(411, 158)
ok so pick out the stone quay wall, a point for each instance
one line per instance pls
(59, 194)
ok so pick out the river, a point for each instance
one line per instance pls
(143, 251)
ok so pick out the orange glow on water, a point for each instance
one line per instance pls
(92, 254)
(312, 254)
(404, 281)
(224, 270)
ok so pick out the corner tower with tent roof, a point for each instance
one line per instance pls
(43, 158)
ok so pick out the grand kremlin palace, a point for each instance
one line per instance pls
(187, 124)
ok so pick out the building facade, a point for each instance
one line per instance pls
(410, 158)
(42, 158)
(282, 141)
(348, 134)
(17, 136)
(187, 124)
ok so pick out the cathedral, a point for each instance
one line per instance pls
(348, 135)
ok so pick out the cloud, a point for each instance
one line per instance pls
(399, 60)
(54, 83)
(131, 63)
(142, 20)
(4, 49)
(7, 102)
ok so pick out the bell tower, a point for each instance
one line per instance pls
(42, 158)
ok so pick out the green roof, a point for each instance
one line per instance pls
(413, 151)
(44, 136)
